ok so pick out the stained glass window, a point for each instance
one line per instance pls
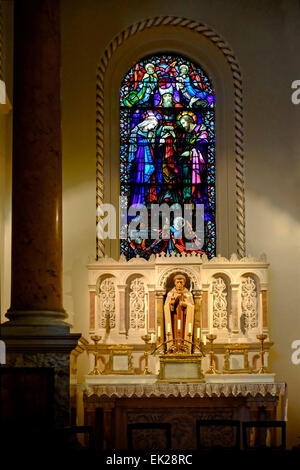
(167, 145)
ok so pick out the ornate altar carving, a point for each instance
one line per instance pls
(223, 297)
(219, 290)
(137, 304)
(106, 293)
(228, 299)
(249, 302)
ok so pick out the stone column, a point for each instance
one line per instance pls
(36, 334)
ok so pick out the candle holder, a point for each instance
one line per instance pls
(146, 339)
(211, 369)
(96, 340)
(262, 369)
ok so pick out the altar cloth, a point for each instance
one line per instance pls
(190, 390)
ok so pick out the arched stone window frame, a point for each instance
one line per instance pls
(201, 45)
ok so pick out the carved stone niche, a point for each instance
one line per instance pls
(221, 293)
(106, 302)
(192, 295)
(136, 308)
(250, 304)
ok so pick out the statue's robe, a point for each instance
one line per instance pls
(169, 313)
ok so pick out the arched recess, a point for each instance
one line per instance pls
(221, 302)
(106, 302)
(251, 314)
(135, 303)
(202, 45)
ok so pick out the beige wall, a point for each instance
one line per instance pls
(264, 36)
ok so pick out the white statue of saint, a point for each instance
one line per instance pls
(179, 312)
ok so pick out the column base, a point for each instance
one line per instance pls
(36, 317)
(33, 346)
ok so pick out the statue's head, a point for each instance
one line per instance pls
(179, 282)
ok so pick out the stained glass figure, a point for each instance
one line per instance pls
(167, 143)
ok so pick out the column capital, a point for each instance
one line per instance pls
(159, 293)
(205, 287)
(121, 287)
(264, 286)
(197, 293)
(235, 285)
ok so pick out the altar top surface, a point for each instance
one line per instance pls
(188, 390)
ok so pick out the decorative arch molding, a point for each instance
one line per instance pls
(189, 272)
(225, 49)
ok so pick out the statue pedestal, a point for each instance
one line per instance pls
(181, 367)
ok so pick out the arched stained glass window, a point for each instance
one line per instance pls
(167, 145)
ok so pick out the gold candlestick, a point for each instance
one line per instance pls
(211, 369)
(96, 340)
(146, 338)
(262, 369)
